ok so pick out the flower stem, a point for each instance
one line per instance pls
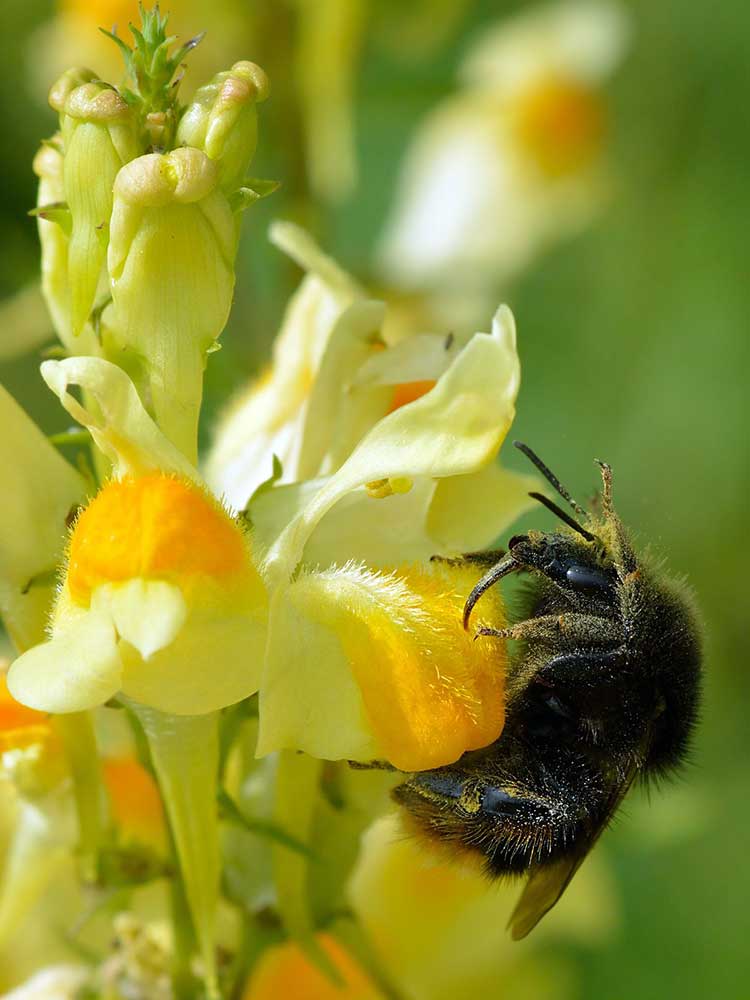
(76, 730)
(183, 981)
(185, 753)
(296, 797)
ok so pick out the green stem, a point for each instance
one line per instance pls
(185, 753)
(295, 801)
(183, 981)
(76, 730)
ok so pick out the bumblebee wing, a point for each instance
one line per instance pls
(542, 890)
(546, 885)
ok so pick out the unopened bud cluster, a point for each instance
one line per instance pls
(138, 206)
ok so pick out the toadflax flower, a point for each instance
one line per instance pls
(286, 971)
(513, 161)
(159, 587)
(437, 926)
(393, 451)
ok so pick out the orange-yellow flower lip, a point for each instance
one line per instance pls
(156, 527)
(560, 123)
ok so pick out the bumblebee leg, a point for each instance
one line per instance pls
(473, 558)
(371, 765)
(586, 628)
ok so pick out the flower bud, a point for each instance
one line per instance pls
(171, 255)
(99, 136)
(64, 86)
(48, 166)
(222, 120)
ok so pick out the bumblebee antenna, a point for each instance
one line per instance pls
(550, 477)
(559, 512)
(606, 487)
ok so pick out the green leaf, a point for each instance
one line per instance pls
(231, 812)
(56, 211)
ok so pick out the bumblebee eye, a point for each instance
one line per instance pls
(585, 578)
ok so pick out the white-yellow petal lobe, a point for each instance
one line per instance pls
(120, 425)
(76, 670)
(209, 665)
(148, 614)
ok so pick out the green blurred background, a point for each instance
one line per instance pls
(634, 344)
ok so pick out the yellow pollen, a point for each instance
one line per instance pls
(154, 527)
(560, 123)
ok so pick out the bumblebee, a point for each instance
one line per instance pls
(603, 690)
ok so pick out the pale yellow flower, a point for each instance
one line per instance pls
(516, 159)
(286, 971)
(366, 656)
(41, 820)
(438, 924)
(158, 576)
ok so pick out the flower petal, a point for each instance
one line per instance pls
(454, 429)
(41, 491)
(209, 665)
(118, 421)
(309, 699)
(584, 40)
(417, 358)
(269, 419)
(331, 408)
(302, 248)
(468, 513)
(427, 691)
(360, 528)
(78, 669)
(147, 613)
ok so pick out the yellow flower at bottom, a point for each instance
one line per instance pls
(135, 802)
(285, 971)
(159, 583)
(31, 754)
(438, 926)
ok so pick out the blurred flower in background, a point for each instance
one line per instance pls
(515, 161)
